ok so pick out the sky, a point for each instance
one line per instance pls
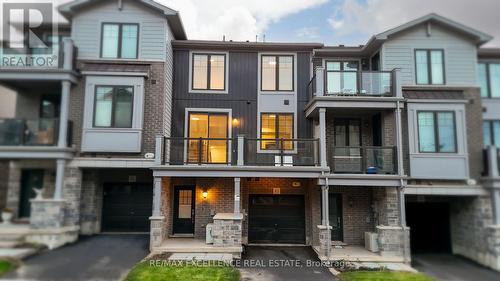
(332, 22)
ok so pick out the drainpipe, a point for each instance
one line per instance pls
(401, 173)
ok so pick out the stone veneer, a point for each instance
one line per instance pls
(227, 230)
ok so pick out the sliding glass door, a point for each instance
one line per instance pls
(208, 138)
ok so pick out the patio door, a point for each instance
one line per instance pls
(335, 215)
(347, 154)
(184, 203)
(341, 77)
(208, 138)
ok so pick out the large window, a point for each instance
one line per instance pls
(489, 79)
(437, 132)
(429, 66)
(274, 126)
(341, 77)
(119, 40)
(209, 72)
(491, 133)
(208, 137)
(277, 73)
(113, 106)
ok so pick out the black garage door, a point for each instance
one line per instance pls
(429, 224)
(127, 207)
(276, 219)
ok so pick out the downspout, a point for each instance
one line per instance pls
(401, 173)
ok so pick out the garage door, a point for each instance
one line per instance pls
(127, 207)
(276, 219)
(429, 224)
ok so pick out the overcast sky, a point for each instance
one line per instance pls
(333, 22)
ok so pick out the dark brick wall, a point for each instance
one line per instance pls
(474, 118)
(4, 179)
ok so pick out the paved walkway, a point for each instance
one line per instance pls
(97, 258)
(280, 263)
(445, 267)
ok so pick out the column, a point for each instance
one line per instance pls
(325, 241)
(241, 150)
(60, 166)
(157, 197)
(237, 196)
(322, 137)
(63, 116)
(157, 219)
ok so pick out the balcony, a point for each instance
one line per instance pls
(241, 155)
(371, 160)
(353, 89)
(20, 138)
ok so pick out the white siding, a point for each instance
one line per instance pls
(460, 54)
(86, 29)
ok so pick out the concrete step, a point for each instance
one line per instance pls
(201, 257)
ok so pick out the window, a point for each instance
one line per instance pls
(277, 73)
(437, 132)
(274, 126)
(341, 77)
(208, 137)
(429, 66)
(347, 132)
(489, 79)
(113, 106)
(209, 72)
(491, 133)
(119, 40)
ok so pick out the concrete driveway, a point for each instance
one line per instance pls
(281, 263)
(446, 267)
(96, 258)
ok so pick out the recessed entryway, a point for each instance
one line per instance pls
(276, 219)
(126, 207)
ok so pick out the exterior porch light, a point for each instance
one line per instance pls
(236, 122)
(204, 194)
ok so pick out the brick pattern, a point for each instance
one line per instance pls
(386, 202)
(474, 119)
(154, 101)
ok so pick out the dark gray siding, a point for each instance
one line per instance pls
(242, 96)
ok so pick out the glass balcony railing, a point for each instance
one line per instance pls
(22, 132)
(363, 160)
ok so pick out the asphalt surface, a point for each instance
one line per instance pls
(96, 258)
(447, 267)
(282, 263)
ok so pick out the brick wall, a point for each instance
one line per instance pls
(386, 202)
(474, 119)
(154, 101)
(4, 178)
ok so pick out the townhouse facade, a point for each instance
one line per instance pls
(222, 144)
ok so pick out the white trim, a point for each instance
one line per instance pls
(99, 73)
(229, 112)
(450, 101)
(226, 70)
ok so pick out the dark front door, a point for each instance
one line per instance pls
(184, 203)
(29, 179)
(335, 216)
(276, 219)
(127, 207)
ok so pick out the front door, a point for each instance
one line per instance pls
(29, 179)
(184, 203)
(335, 215)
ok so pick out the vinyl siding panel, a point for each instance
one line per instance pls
(86, 27)
(460, 54)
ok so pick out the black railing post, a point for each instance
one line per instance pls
(395, 165)
(281, 151)
(359, 76)
(25, 132)
(199, 151)
(363, 159)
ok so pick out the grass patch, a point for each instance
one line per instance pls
(146, 272)
(383, 276)
(6, 266)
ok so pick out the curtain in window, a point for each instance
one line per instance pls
(268, 73)
(422, 67)
(495, 79)
(217, 72)
(124, 107)
(446, 128)
(129, 41)
(285, 73)
(200, 71)
(103, 106)
(426, 134)
(437, 67)
(483, 80)
(110, 40)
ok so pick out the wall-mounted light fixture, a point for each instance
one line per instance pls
(204, 194)
(236, 122)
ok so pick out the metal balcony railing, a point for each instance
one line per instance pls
(38, 132)
(364, 160)
(238, 151)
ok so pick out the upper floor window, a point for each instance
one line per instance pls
(119, 40)
(277, 73)
(489, 79)
(491, 133)
(113, 106)
(429, 66)
(341, 77)
(275, 126)
(437, 132)
(209, 72)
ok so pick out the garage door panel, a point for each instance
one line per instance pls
(276, 219)
(127, 207)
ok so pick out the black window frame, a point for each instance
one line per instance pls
(429, 67)
(209, 65)
(113, 105)
(488, 79)
(277, 74)
(491, 128)
(436, 132)
(276, 124)
(120, 36)
(346, 123)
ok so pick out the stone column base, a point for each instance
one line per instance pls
(394, 241)
(156, 234)
(325, 243)
(227, 230)
(47, 213)
(53, 237)
(492, 257)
